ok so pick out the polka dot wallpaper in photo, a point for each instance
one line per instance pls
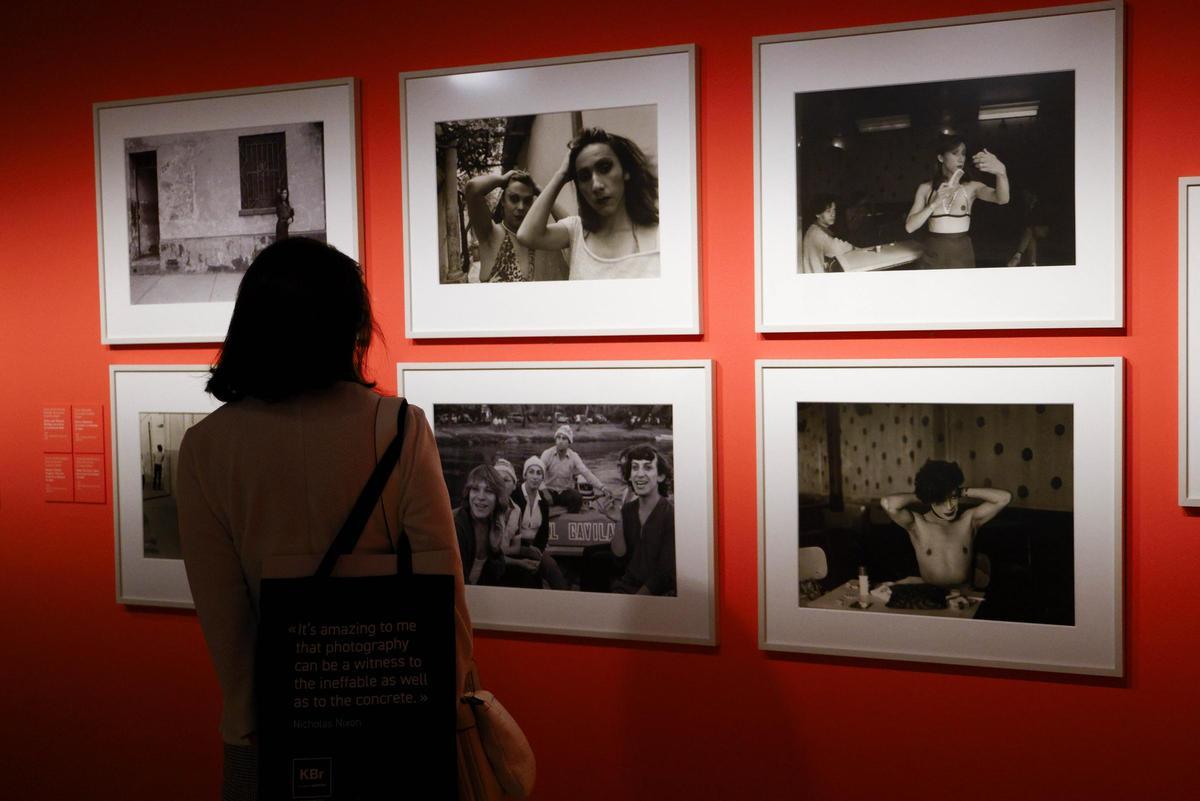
(1025, 449)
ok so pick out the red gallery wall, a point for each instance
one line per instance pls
(104, 701)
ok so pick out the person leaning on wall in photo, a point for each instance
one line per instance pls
(276, 469)
(284, 214)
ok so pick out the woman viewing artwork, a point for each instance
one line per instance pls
(615, 234)
(945, 201)
(276, 469)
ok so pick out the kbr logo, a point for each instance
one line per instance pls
(312, 777)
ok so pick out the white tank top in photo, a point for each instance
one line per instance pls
(585, 265)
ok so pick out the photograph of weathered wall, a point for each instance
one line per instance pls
(206, 202)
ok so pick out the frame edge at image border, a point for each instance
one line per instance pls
(1115, 668)
(1117, 318)
(695, 327)
(355, 168)
(1185, 374)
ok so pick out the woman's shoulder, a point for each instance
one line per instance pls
(649, 236)
(219, 422)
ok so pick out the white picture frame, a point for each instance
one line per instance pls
(586, 86)
(138, 391)
(687, 617)
(1189, 341)
(1083, 291)
(1090, 644)
(175, 234)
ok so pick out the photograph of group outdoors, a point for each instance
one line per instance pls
(159, 436)
(565, 497)
(570, 195)
(938, 175)
(951, 510)
(201, 205)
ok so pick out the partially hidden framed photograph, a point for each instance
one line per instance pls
(553, 197)
(1189, 341)
(965, 512)
(961, 173)
(190, 188)
(152, 407)
(582, 493)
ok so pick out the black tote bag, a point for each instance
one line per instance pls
(355, 673)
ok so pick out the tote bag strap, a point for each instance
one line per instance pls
(347, 538)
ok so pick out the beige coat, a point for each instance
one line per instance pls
(258, 480)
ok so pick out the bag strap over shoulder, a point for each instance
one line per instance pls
(356, 521)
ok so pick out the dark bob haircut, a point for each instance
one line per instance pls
(936, 481)
(641, 188)
(645, 453)
(820, 203)
(519, 177)
(302, 321)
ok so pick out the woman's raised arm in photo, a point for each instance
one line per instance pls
(986, 161)
(896, 506)
(479, 215)
(536, 231)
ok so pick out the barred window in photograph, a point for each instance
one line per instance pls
(263, 163)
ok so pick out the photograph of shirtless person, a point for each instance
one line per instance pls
(937, 509)
(943, 534)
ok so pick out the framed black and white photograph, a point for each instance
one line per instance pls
(153, 407)
(582, 493)
(1189, 341)
(552, 197)
(945, 174)
(965, 512)
(191, 188)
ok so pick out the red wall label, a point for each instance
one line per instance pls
(89, 478)
(56, 438)
(59, 480)
(87, 428)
